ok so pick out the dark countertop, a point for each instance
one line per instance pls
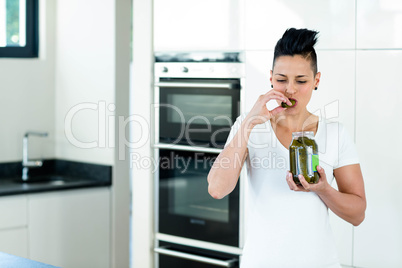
(11, 261)
(54, 175)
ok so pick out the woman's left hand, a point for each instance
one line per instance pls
(319, 187)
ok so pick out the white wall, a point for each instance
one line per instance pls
(84, 76)
(27, 95)
(92, 72)
(141, 99)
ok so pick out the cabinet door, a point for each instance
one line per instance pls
(197, 25)
(13, 225)
(13, 211)
(70, 228)
(266, 20)
(14, 241)
(378, 24)
(378, 240)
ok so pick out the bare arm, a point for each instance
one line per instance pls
(223, 176)
(349, 202)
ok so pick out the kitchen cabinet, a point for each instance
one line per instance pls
(13, 225)
(266, 20)
(70, 228)
(378, 240)
(182, 25)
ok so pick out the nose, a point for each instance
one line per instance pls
(290, 88)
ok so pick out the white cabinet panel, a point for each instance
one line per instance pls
(13, 225)
(13, 211)
(14, 241)
(258, 66)
(70, 228)
(378, 240)
(197, 25)
(266, 20)
(379, 24)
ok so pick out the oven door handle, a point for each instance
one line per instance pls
(197, 258)
(194, 85)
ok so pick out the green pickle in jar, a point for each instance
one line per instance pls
(303, 152)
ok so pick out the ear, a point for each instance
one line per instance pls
(317, 79)
(270, 74)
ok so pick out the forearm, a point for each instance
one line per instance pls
(224, 174)
(349, 207)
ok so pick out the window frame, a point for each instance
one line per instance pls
(31, 49)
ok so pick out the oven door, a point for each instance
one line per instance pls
(197, 112)
(185, 207)
(179, 256)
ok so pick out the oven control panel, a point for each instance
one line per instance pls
(199, 70)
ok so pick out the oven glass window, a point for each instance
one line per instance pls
(187, 186)
(200, 109)
(191, 199)
(185, 207)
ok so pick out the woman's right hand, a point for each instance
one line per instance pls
(260, 114)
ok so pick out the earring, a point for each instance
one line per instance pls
(272, 86)
(315, 88)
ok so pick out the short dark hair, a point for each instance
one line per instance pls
(297, 42)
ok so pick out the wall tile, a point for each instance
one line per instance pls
(378, 240)
(197, 25)
(266, 20)
(379, 24)
(258, 66)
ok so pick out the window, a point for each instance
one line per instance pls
(19, 28)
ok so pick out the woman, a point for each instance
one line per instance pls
(287, 224)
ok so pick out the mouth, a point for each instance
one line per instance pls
(293, 101)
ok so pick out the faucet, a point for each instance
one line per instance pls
(26, 163)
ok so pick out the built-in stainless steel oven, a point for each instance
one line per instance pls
(197, 99)
(196, 111)
(197, 102)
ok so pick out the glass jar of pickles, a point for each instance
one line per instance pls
(303, 152)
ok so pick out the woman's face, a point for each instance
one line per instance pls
(294, 77)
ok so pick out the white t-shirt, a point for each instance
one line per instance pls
(287, 228)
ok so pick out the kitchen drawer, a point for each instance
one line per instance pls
(13, 211)
(14, 241)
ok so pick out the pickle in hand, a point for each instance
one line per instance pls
(285, 105)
